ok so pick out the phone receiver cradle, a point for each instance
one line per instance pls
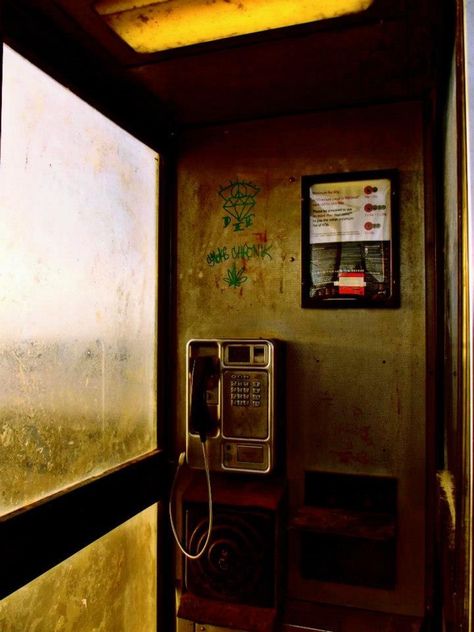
(201, 422)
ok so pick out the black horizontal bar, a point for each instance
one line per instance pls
(35, 538)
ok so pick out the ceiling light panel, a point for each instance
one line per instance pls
(149, 27)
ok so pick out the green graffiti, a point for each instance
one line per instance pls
(239, 200)
(242, 251)
(235, 278)
(217, 256)
(249, 251)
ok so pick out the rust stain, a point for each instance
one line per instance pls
(357, 412)
(359, 432)
(364, 433)
(350, 457)
(327, 398)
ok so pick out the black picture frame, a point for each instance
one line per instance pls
(350, 239)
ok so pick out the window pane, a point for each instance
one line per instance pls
(108, 586)
(78, 202)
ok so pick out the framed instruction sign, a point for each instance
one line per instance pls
(350, 240)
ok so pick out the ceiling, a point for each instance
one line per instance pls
(386, 53)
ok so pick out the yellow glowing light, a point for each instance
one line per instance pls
(159, 25)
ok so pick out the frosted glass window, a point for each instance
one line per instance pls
(110, 586)
(78, 205)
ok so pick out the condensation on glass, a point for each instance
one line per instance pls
(110, 586)
(78, 205)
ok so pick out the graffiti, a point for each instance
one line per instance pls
(217, 256)
(240, 225)
(246, 251)
(242, 251)
(235, 278)
(239, 200)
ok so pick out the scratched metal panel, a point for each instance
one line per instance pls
(109, 585)
(77, 289)
(355, 384)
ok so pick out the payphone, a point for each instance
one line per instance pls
(231, 402)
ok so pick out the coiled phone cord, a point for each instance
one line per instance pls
(187, 554)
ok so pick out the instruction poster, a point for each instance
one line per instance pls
(349, 240)
(350, 211)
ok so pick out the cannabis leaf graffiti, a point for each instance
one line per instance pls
(235, 278)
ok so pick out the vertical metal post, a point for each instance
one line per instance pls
(466, 88)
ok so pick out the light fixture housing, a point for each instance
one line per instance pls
(159, 25)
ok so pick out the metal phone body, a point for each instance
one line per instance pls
(235, 392)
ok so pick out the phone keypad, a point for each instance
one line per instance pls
(245, 404)
(245, 391)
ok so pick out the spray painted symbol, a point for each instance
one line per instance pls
(235, 278)
(239, 200)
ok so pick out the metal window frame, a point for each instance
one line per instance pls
(44, 533)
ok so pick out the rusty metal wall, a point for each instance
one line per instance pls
(355, 384)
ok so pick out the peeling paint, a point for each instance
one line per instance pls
(448, 495)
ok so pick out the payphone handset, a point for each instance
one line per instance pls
(230, 403)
